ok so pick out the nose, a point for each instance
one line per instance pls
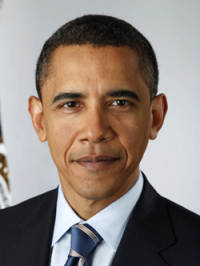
(96, 127)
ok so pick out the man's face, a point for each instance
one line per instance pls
(97, 118)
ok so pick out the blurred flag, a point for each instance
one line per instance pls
(5, 196)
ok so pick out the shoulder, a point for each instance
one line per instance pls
(151, 200)
(184, 221)
(19, 212)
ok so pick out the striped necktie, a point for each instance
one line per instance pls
(84, 238)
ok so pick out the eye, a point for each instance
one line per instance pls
(120, 103)
(72, 104)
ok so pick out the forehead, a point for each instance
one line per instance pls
(92, 69)
(104, 57)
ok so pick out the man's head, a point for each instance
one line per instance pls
(100, 31)
(95, 111)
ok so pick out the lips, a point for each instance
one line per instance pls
(99, 162)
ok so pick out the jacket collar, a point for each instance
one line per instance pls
(148, 231)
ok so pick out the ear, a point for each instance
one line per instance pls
(36, 112)
(159, 108)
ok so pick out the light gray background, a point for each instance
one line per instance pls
(171, 162)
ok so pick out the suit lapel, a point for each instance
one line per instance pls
(148, 232)
(31, 245)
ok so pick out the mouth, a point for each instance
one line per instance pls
(99, 162)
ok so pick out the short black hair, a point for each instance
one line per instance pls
(100, 31)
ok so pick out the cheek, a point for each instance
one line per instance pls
(134, 138)
(60, 136)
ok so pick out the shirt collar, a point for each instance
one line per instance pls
(65, 217)
(110, 223)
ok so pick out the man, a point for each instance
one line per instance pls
(98, 106)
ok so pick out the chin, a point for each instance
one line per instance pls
(96, 192)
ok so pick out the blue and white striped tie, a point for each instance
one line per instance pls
(84, 238)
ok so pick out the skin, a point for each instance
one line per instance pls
(96, 135)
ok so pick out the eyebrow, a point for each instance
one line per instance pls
(123, 93)
(116, 93)
(67, 95)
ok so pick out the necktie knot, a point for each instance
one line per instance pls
(84, 238)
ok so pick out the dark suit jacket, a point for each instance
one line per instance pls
(159, 233)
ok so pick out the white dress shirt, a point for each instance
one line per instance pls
(110, 223)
